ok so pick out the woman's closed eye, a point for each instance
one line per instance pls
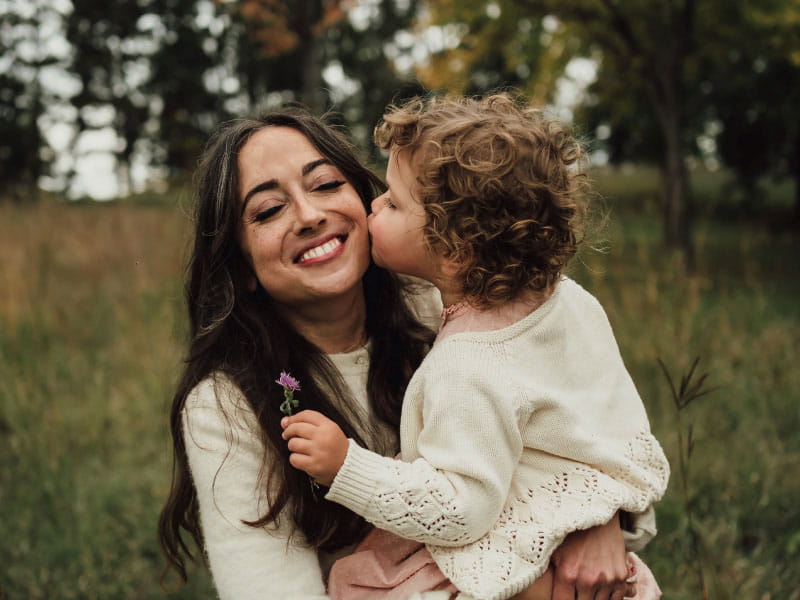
(329, 185)
(263, 215)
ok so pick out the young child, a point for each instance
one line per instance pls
(522, 424)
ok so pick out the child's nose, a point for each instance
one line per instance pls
(376, 204)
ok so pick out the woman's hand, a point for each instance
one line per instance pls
(318, 446)
(592, 565)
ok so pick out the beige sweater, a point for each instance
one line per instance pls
(511, 439)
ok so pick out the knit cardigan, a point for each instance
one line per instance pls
(511, 439)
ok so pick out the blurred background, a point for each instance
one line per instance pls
(689, 112)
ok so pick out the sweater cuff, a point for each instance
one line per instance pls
(641, 531)
(354, 483)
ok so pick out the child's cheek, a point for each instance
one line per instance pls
(374, 225)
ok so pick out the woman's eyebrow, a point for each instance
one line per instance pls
(314, 164)
(270, 184)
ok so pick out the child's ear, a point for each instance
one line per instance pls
(452, 263)
(450, 267)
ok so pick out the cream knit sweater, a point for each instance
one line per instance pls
(511, 439)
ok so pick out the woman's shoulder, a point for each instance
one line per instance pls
(218, 397)
(214, 389)
(424, 301)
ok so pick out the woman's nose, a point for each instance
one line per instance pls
(308, 215)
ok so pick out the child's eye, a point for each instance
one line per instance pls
(263, 215)
(389, 203)
(329, 185)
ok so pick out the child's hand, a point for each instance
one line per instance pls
(317, 445)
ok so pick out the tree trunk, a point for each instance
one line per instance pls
(796, 172)
(665, 96)
(675, 192)
(311, 90)
(307, 16)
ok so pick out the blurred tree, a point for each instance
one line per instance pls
(367, 48)
(24, 152)
(757, 98)
(486, 46)
(190, 80)
(654, 61)
(148, 61)
(106, 49)
(281, 47)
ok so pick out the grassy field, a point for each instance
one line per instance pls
(91, 329)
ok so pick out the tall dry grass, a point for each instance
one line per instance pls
(90, 305)
(91, 326)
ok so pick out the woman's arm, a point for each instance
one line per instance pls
(591, 564)
(225, 461)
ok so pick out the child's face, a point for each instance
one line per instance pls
(396, 223)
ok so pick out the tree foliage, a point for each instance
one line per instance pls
(755, 102)
(487, 46)
(162, 73)
(661, 71)
(367, 52)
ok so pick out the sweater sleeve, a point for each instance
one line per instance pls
(452, 490)
(247, 563)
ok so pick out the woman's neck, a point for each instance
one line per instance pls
(336, 325)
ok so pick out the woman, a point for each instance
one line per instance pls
(281, 279)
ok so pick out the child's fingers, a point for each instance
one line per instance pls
(304, 416)
(301, 430)
(300, 461)
(300, 446)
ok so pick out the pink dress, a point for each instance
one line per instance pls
(387, 567)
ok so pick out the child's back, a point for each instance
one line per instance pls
(540, 432)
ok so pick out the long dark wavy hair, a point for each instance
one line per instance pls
(236, 332)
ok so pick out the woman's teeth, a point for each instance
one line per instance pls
(320, 250)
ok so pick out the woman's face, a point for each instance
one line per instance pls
(303, 228)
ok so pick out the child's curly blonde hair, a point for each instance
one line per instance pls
(497, 182)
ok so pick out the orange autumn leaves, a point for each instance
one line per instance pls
(278, 26)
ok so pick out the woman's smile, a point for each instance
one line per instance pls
(322, 252)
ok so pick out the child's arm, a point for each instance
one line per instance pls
(453, 492)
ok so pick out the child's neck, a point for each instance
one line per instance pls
(460, 315)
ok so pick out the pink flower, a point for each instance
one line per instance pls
(288, 382)
(290, 385)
